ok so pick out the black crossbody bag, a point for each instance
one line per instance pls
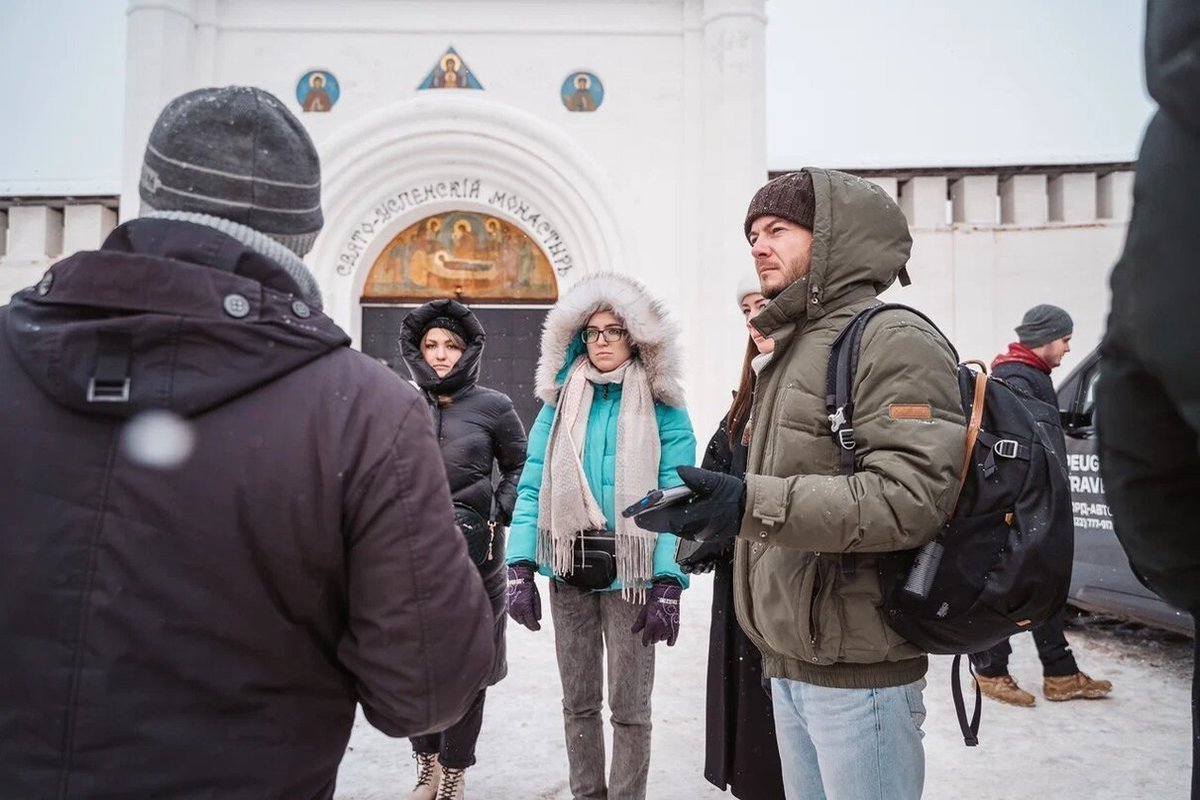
(593, 561)
(480, 533)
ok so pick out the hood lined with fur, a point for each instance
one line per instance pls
(653, 332)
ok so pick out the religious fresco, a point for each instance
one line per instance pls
(317, 91)
(582, 91)
(463, 254)
(451, 72)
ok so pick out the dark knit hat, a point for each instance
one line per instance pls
(1043, 324)
(446, 324)
(236, 153)
(789, 196)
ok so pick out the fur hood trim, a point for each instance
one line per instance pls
(652, 330)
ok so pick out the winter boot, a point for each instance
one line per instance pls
(1004, 689)
(429, 773)
(453, 784)
(1073, 687)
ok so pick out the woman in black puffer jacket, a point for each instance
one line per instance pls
(477, 427)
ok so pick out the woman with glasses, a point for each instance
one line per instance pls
(612, 428)
(478, 429)
(740, 750)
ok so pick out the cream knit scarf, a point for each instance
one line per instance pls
(566, 504)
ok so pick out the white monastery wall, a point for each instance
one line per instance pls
(655, 182)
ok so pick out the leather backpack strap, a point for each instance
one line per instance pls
(972, 431)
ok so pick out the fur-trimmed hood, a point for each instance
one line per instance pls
(652, 330)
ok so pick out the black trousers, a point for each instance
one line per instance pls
(1052, 648)
(455, 746)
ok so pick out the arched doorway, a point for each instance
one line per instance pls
(485, 262)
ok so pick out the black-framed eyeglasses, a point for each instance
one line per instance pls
(611, 334)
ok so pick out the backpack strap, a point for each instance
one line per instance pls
(839, 403)
(839, 388)
(973, 426)
(1004, 448)
(970, 730)
(839, 380)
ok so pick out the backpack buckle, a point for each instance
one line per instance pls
(837, 419)
(1006, 448)
(845, 438)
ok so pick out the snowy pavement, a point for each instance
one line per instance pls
(1134, 744)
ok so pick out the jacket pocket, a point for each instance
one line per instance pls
(796, 607)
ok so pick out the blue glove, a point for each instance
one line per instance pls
(659, 620)
(713, 514)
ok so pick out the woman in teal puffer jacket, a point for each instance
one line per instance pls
(613, 427)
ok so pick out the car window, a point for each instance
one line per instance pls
(1087, 401)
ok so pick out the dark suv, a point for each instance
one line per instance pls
(1101, 580)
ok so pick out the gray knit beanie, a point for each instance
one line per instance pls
(789, 197)
(236, 153)
(1043, 324)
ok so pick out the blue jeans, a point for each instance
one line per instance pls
(850, 744)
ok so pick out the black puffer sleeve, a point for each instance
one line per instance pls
(508, 444)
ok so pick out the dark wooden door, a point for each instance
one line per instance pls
(509, 358)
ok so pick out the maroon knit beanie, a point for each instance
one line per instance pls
(789, 196)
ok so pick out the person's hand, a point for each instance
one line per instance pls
(706, 557)
(523, 603)
(714, 513)
(659, 619)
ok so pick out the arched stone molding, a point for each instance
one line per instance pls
(436, 139)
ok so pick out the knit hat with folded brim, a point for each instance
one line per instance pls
(236, 153)
(789, 197)
(1044, 324)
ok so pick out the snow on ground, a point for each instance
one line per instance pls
(1134, 744)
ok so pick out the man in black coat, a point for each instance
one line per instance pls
(221, 529)
(1148, 400)
(1043, 338)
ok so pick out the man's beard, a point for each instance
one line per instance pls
(791, 274)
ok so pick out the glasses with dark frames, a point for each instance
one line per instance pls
(610, 334)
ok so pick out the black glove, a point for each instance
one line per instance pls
(714, 513)
(706, 557)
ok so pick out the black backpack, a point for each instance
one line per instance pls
(1002, 562)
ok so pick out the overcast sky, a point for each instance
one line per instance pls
(852, 83)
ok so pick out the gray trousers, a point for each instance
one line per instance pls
(591, 628)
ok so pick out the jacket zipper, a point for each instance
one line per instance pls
(818, 583)
(437, 416)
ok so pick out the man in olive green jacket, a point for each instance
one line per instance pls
(847, 689)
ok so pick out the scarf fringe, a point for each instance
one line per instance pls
(635, 558)
(566, 505)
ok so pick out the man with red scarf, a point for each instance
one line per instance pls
(1043, 338)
